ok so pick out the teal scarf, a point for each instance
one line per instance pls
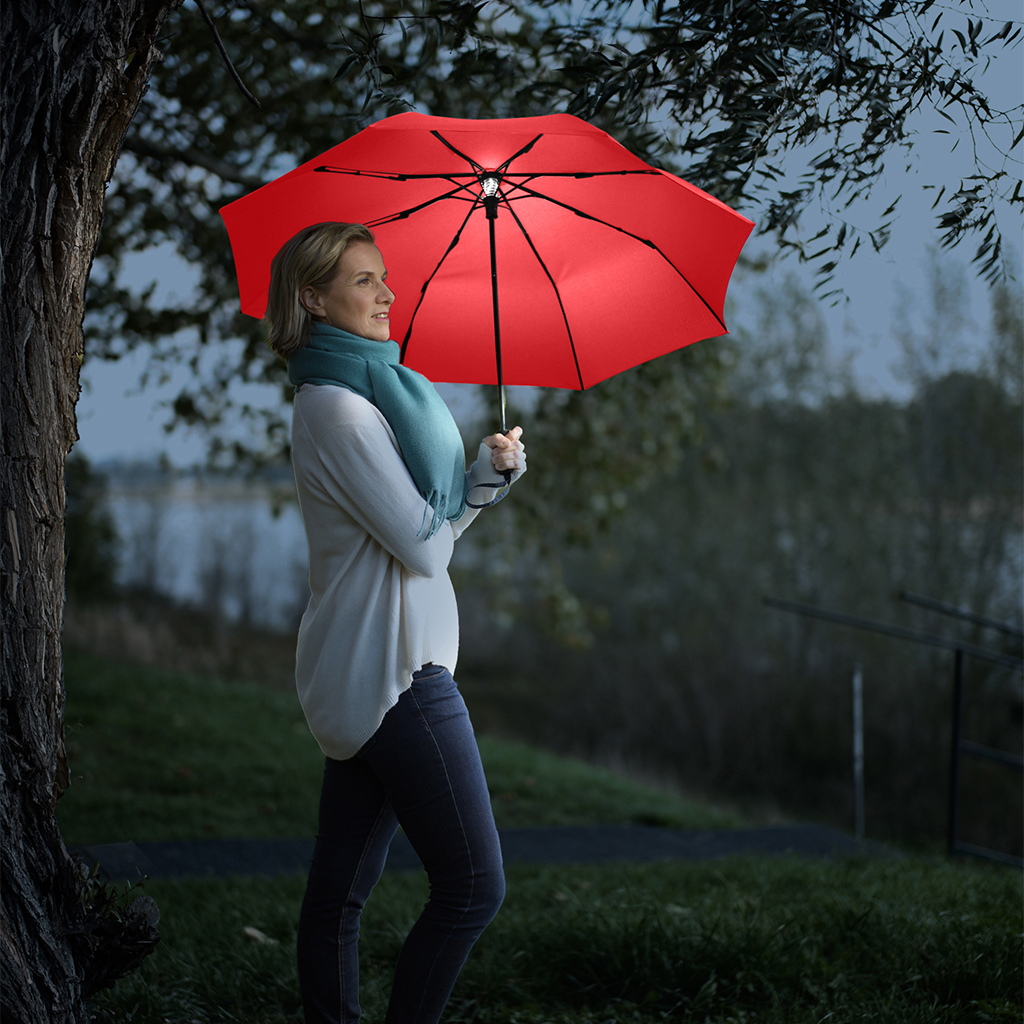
(427, 435)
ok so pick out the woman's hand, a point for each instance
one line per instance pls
(507, 451)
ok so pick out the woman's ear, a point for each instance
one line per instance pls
(310, 300)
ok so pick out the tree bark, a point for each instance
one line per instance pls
(74, 72)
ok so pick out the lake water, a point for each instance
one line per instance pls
(232, 545)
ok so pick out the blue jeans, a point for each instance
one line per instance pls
(421, 770)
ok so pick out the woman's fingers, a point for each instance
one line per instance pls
(507, 451)
(508, 461)
(508, 455)
(509, 440)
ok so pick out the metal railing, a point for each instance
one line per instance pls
(958, 746)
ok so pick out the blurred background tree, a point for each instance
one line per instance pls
(804, 488)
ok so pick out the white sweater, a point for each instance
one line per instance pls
(381, 603)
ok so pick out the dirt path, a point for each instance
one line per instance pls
(589, 844)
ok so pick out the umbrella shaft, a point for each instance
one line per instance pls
(497, 322)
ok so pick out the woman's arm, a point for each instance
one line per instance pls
(368, 478)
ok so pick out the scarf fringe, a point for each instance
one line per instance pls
(439, 503)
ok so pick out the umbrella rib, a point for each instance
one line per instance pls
(403, 214)
(388, 175)
(531, 175)
(423, 290)
(558, 295)
(642, 241)
(451, 176)
(499, 171)
(469, 160)
(515, 156)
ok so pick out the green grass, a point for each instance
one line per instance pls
(748, 939)
(158, 755)
(164, 756)
(161, 756)
(532, 787)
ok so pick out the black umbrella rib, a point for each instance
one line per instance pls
(469, 160)
(531, 175)
(475, 174)
(404, 214)
(558, 294)
(515, 156)
(499, 171)
(390, 175)
(423, 290)
(642, 241)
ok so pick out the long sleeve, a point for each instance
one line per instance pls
(363, 472)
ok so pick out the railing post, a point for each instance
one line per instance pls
(954, 753)
(958, 745)
(858, 750)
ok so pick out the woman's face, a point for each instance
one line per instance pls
(356, 299)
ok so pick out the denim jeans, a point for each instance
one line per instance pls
(421, 770)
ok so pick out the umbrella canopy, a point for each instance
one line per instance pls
(586, 260)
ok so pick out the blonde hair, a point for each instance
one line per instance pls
(308, 258)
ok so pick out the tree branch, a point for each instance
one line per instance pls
(224, 54)
(225, 171)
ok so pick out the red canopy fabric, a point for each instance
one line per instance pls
(603, 262)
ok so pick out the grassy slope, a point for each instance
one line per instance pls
(160, 755)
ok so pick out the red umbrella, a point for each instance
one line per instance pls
(531, 250)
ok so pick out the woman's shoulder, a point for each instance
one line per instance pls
(324, 407)
(334, 403)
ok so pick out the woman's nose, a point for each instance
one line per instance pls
(386, 294)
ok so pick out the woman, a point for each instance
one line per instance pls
(380, 472)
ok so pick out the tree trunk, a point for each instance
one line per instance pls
(74, 71)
